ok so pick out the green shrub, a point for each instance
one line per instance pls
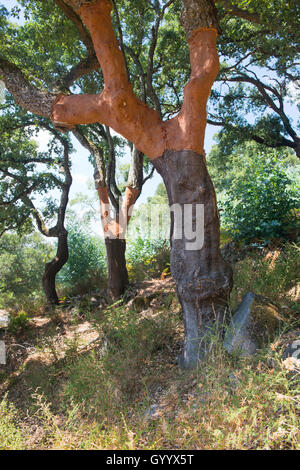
(22, 262)
(262, 205)
(86, 266)
(18, 322)
(147, 258)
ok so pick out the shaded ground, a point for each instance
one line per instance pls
(92, 375)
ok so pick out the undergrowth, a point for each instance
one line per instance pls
(99, 398)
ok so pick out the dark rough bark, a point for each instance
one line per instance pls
(85, 66)
(116, 266)
(203, 278)
(135, 176)
(26, 95)
(52, 268)
(297, 147)
(197, 14)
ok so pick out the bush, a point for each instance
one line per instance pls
(86, 266)
(18, 322)
(263, 205)
(22, 262)
(147, 258)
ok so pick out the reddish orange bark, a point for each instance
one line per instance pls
(118, 107)
(115, 228)
(203, 278)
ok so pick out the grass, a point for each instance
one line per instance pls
(98, 397)
(11, 436)
(271, 273)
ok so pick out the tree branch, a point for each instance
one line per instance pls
(239, 12)
(281, 142)
(148, 177)
(121, 40)
(141, 72)
(113, 190)
(151, 92)
(76, 20)
(263, 88)
(20, 195)
(25, 94)
(85, 66)
(96, 152)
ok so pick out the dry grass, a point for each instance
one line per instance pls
(87, 379)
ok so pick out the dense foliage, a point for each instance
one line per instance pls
(256, 95)
(261, 206)
(148, 258)
(85, 269)
(227, 168)
(22, 262)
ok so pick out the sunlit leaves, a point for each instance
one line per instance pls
(262, 206)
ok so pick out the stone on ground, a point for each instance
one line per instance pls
(2, 353)
(4, 319)
(253, 325)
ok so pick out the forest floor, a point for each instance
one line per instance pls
(89, 375)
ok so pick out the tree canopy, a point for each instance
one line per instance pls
(259, 48)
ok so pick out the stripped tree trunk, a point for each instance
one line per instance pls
(117, 281)
(114, 229)
(203, 279)
(175, 146)
(110, 201)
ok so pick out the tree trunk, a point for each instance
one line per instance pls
(116, 266)
(203, 278)
(52, 268)
(114, 243)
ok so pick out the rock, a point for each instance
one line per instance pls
(253, 324)
(292, 350)
(292, 364)
(237, 338)
(291, 357)
(4, 319)
(294, 293)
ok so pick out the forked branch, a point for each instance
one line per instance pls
(118, 107)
